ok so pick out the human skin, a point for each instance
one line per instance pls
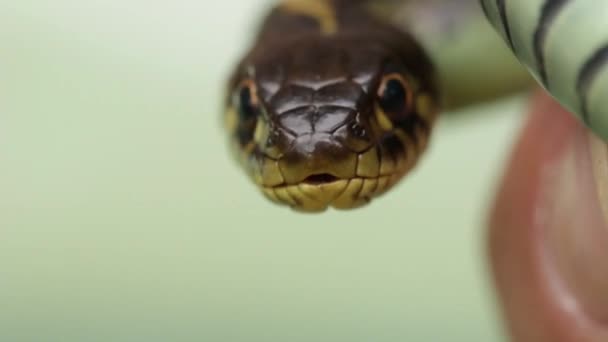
(548, 237)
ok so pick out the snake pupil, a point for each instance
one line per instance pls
(393, 98)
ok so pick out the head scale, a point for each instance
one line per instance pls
(335, 119)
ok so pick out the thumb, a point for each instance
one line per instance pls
(548, 238)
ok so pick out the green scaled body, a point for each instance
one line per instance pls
(564, 43)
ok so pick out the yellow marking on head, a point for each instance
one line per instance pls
(383, 120)
(320, 10)
(305, 203)
(284, 196)
(271, 173)
(231, 119)
(369, 188)
(349, 198)
(425, 106)
(260, 135)
(368, 165)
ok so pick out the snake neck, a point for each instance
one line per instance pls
(325, 17)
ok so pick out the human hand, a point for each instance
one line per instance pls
(548, 238)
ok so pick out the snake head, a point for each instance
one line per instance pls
(331, 120)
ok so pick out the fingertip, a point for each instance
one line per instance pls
(545, 192)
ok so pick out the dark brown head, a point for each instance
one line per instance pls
(331, 119)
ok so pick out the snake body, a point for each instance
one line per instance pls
(564, 43)
(336, 100)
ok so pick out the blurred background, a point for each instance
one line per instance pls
(124, 218)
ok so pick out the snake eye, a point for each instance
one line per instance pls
(247, 101)
(394, 95)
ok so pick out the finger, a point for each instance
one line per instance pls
(548, 240)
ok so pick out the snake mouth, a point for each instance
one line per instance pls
(319, 192)
(319, 179)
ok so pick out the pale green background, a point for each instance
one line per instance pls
(122, 217)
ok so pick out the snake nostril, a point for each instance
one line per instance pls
(322, 178)
(358, 130)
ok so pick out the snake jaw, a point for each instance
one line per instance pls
(340, 194)
(375, 171)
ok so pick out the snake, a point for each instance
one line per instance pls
(335, 101)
